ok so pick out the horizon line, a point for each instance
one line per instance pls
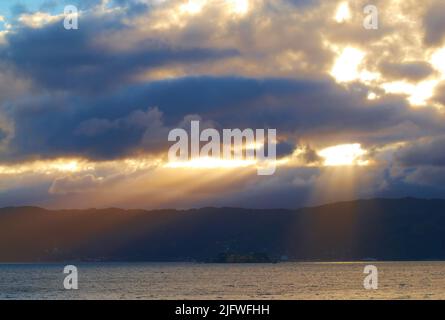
(224, 207)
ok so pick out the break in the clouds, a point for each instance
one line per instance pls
(85, 114)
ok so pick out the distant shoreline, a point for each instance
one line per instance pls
(405, 229)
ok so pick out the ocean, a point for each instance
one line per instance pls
(341, 280)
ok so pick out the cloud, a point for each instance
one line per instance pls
(411, 71)
(112, 90)
(75, 184)
(140, 129)
(137, 118)
(11, 86)
(75, 60)
(3, 135)
(309, 156)
(439, 94)
(284, 148)
(302, 2)
(434, 24)
(426, 152)
(38, 19)
(427, 176)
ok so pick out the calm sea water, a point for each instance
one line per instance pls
(397, 280)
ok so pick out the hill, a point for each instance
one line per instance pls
(383, 229)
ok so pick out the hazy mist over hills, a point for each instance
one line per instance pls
(383, 229)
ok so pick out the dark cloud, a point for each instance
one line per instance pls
(302, 3)
(411, 71)
(423, 153)
(434, 24)
(137, 118)
(3, 135)
(427, 176)
(284, 148)
(439, 94)
(72, 59)
(310, 156)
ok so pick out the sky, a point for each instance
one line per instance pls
(85, 114)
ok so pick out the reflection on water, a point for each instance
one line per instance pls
(397, 280)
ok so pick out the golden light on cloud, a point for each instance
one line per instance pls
(344, 155)
(368, 77)
(418, 94)
(211, 163)
(238, 6)
(38, 19)
(346, 67)
(422, 92)
(192, 6)
(65, 166)
(78, 165)
(372, 96)
(46, 166)
(438, 60)
(343, 12)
